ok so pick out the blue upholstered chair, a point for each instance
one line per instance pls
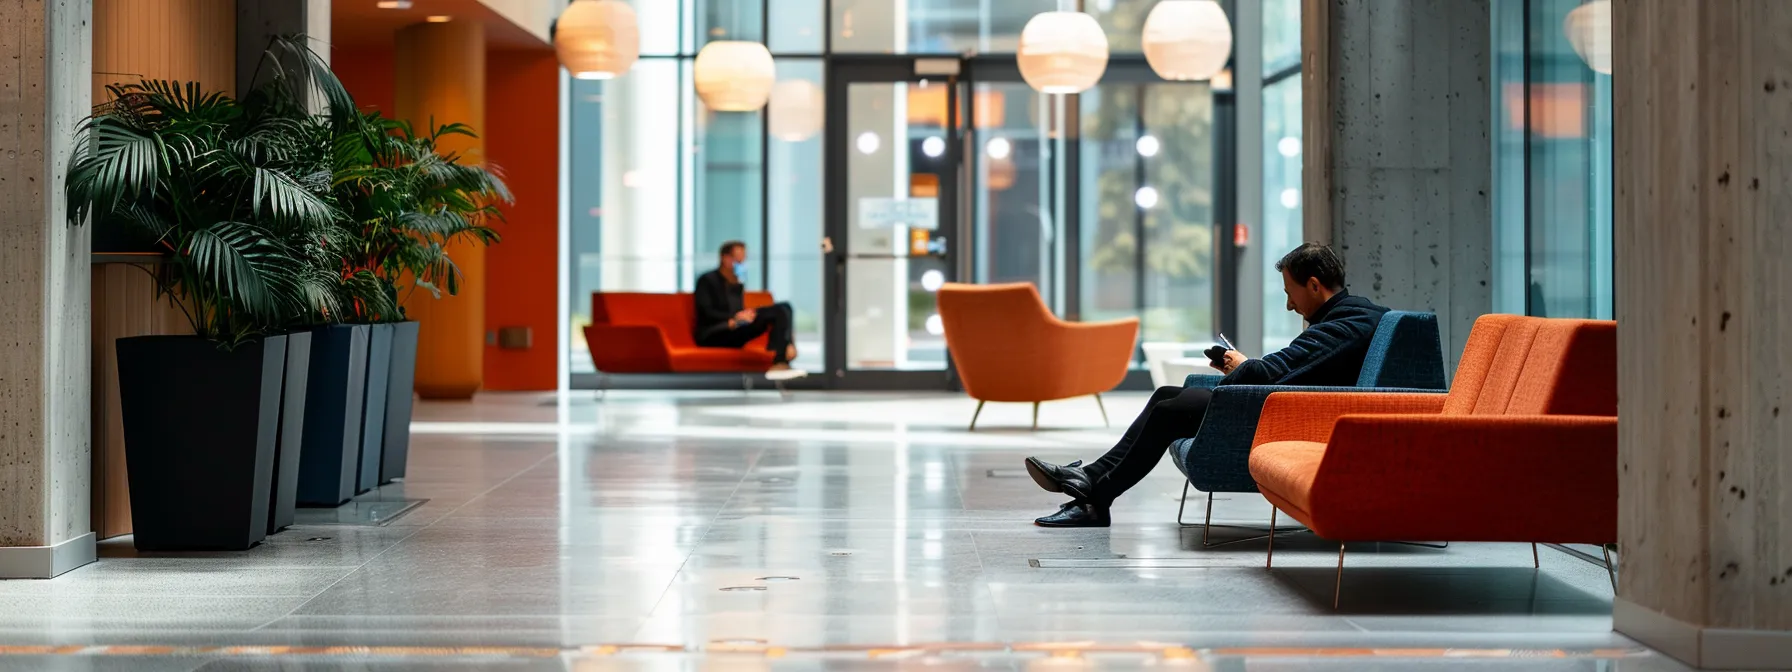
(1405, 356)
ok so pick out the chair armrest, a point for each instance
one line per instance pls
(1202, 381)
(1493, 478)
(1086, 357)
(1309, 416)
(628, 348)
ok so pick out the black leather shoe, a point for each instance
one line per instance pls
(1068, 479)
(1079, 513)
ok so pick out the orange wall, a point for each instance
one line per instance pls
(367, 73)
(522, 138)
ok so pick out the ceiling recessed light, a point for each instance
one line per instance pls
(394, 4)
(440, 18)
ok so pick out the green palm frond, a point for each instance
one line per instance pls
(117, 162)
(241, 262)
(283, 198)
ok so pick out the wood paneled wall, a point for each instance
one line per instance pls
(1703, 231)
(114, 318)
(181, 40)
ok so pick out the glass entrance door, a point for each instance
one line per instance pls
(894, 143)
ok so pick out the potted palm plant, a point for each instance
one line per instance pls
(407, 201)
(227, 195)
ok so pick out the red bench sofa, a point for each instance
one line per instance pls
(634, 332)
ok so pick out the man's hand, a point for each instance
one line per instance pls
(1234, 359)
(745, 316)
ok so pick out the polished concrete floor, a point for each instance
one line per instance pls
(723, 530)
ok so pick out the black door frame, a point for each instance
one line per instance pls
(842, 72)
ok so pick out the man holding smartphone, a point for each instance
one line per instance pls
(1329, 352)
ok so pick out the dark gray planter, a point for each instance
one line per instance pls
(199, 431)
(330, 460)
(291, 439)
(373, 416)
(396, 447)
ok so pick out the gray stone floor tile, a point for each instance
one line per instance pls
(826, 526)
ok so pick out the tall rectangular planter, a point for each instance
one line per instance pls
(330, 460)
(200, 424)
(396, 447)
(373, 416)
(291, 438)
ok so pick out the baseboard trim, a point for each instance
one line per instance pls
(48, 562)
(1701, 647)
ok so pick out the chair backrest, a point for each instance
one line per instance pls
(674, 314)
(1516, 365)
(1405, 352)
(995, 335)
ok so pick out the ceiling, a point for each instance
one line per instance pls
(361, 24)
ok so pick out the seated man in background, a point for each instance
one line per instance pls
(724, 321)
(1329, 352)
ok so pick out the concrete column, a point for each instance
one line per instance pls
(439, 78)
(1702, 98)
(45, 90)
(1398, 164)
(260, 21)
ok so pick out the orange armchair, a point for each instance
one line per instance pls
(1524, 448)
(1008, 347)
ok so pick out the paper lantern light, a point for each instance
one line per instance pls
(1187, 40)
(597, 39)
(795, 111)
(1589, 31)
(734, 76)
(1062, 52)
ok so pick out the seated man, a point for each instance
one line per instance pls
(1329, 352)
(724, 321)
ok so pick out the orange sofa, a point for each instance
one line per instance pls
(634, 332)
(1008, 347)
(1523, 448)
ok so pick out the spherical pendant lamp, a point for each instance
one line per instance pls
(1062, 52)
(597, 39)
(1589, 30)
(795, 110)
(1187, 40)
(734, 76)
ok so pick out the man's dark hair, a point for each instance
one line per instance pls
(729, 247)
(1312, 260)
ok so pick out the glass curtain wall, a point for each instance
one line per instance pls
(1282, 229)
(659, 182)
(1553, 167)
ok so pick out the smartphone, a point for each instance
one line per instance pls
(1226, 343)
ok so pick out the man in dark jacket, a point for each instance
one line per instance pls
(724, 321)
(1329, 352)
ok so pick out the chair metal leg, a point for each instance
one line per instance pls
(1035, 416)
(974, 416)
(1270, 561)
(1104, 414)
(1207, 523)
(782, 392)
(603, 385)
(1184, 504)
(1610, 570)
(746, 381)
(1535, 563)
(1338, 586)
